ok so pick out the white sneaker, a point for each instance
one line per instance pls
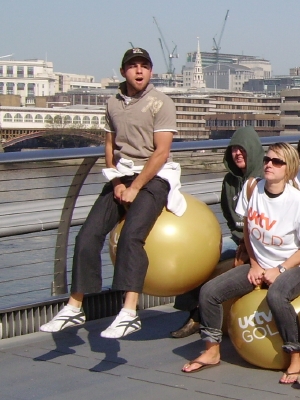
(123, 325)
(65, 318)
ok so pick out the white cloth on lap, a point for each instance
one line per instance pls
(170, 172)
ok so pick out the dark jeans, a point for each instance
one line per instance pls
(131, 259)
(234, 283)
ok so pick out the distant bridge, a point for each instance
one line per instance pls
(95, 137)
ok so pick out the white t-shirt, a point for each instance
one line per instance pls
(273, 223)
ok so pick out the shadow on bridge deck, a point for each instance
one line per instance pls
(78, 364)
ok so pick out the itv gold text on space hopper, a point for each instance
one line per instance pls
(258, 325)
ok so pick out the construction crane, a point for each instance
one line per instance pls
(216, 46)
(114, 76)
(164, 47)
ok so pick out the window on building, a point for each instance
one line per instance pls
(9, 71)
(30, 73)
(18, 118)
(48, 119)
(28, 118)
(38, 118)
(86, 120)
(1, 70)
(10, 88)
(95, 120)
(20, 72)
(20, 86)
(30, 88)
(76, 120)
(58, 119)
(7, 117)
(67, 120)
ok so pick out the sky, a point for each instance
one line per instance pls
(91, 36)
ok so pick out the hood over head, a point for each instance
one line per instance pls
(248, 139)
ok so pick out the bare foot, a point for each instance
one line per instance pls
(289, 377)
(292, 372)
(203, 359)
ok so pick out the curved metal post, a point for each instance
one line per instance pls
(60, 284)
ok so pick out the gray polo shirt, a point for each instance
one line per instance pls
(135, 124)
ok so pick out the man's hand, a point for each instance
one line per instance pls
(255, 275)
(118, 190)
(128, 195)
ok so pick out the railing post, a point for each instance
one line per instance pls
(60, 284)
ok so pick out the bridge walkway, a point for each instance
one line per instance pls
(77, 364)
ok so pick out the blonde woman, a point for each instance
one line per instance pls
(272, 237)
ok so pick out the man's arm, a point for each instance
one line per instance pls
(119, 187)
(162, 143)
(109, 150)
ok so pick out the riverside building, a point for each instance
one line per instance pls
(230, 72)
(19, 121)
(290, 112)
(216, 115)
(35, 78)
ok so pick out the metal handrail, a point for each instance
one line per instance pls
(86, 152)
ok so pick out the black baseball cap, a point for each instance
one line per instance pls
(136, 52)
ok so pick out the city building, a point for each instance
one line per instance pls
(197, 76)
(262, 67)
(66, 81)
(290, 112)
(30, 79)
(227, 76)
(295, 71)
(17, 121)
(87, 98)
(247, 67)
(171, 80)
(272, 86)
(27, 79)
(218, 114)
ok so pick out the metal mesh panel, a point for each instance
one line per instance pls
(21, 321)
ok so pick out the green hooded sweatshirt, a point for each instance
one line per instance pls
(234, 179)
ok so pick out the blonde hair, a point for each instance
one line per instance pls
(291, 157)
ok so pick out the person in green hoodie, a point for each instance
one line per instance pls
(243, 158)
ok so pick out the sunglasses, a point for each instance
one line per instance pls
(277, 162)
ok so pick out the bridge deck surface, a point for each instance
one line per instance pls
(78, 364)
